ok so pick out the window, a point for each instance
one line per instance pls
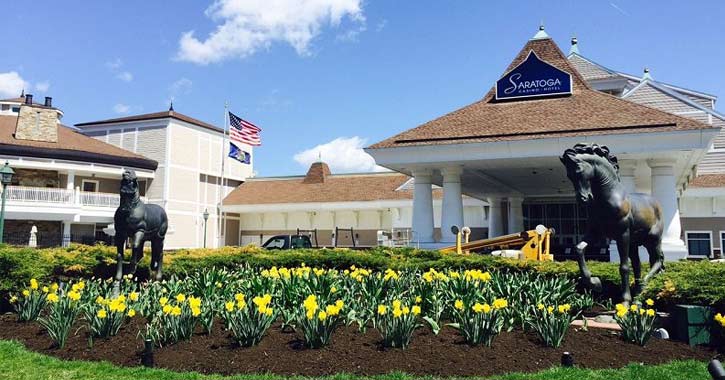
(89, 185)
(699, 243)
(16, 109)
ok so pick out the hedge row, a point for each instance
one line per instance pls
(683, 282)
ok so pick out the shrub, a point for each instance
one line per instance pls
(396, 323)
(636, 321)
(551, 323)
(249, 323)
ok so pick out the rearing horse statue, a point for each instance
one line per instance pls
(140, 222)
(632, 219)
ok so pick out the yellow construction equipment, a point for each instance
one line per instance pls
(533, 244)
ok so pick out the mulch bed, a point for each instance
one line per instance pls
(284, 353)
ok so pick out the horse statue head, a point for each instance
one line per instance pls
(589, 165)
(129, 189)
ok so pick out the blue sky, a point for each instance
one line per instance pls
(343, 73)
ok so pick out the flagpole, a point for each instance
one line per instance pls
(221, 225)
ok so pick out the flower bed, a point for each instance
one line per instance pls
(311, 312)
(682, 282)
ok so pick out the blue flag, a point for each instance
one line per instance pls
(238, 154)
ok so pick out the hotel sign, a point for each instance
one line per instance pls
(533, 78)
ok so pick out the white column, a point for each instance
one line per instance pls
(422, 207)
(664, 190)
(626, 175)
(70, 183)
(452, 208)
(516, 215)
(495, 216)
(66, 234)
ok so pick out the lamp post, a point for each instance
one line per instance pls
(205, 215)
(6, 177)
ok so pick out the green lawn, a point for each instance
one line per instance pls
(19, 364)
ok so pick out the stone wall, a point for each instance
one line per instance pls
(36, 178)
(37, 124)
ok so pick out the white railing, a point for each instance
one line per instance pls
(99, 199)
(26, 194)
(39, 194)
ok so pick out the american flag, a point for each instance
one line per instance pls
(243, 131)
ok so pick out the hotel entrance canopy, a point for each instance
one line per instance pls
(509, 148)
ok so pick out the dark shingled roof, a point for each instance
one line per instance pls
(153, 116)
(71, 145)
(585, 112)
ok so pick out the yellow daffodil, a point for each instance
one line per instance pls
(45, 289)
(406, 310)
(322, 316)
(650, 302)
(382, 309)
(163, 301)
(26, 293)
(133, 296)
(229, 306)
(333, 290)
(415, 310)
(418, 299)
(180, 297)
(499, 303)
(33, 284)
(74, 295)
(101, 314)
(397, 304)
(176, 311)
(458, 304)
(13, 299)
(397, 313)
(54, 287)
(52, 297)
(650, 312)
(131, 313)
(167, 309)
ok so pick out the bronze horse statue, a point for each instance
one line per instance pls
(632, 219)
(140, 222)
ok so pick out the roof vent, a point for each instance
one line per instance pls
(574, 49)
(28, 99)
(541, 34)
(317, 173)
(48, 101)
(646, 74)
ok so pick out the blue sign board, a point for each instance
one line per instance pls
(533, 78)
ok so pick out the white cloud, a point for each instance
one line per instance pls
(343, 155)
(125, 76)
(116, 67)
(42, 87)
(121, 108)
(12, 84)
(181, 86)
(245, 26)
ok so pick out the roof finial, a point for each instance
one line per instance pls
(541, 33)
(574, 49)
(171, 106)
(319, 156)
(22, 93)
(646, 75)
